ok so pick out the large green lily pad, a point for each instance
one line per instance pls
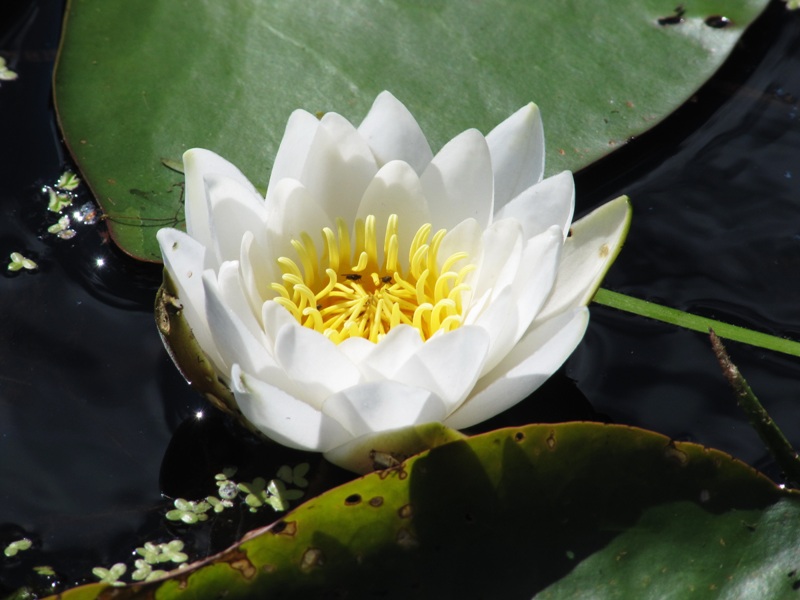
(140, 81)
(565, 510)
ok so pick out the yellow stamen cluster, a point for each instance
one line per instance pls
(350, 292)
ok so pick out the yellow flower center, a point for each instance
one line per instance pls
(349, 292)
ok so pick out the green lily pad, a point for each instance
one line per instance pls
(140, 82)
(506, 514)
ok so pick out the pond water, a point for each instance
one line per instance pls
(96, 424)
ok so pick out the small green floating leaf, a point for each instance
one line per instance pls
(513, 513)
(110, 576)
(17, 546)
(19, 262)
(6, 74)
(128, 92)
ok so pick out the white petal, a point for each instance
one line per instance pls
(236, 342)
(257, 272)
(358, 350)
(458, 182)
(588, 253)
(233, 295)
(274, 318)
(184, 259)
(235, 209)
(396, 189)
(358, 454)
(381, 406)
(393, 134)
(391, 352)
(339, 167)
(503, 243)
(293, 210)
(197, 165)
(499, 321)
(510, 313)
(541, 259)
(293, 151)
(448, 364)
(313, 361)
(517, 149)
(467, 237)
(284, 418)
(532, 361)
(550, 202)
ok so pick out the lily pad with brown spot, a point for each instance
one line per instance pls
(560, 510)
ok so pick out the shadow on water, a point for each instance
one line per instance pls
(92, 411)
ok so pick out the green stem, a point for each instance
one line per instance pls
(695, 323)
(785, 455)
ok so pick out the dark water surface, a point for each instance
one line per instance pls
(90, 403)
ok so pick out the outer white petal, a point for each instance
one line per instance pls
(293, 151)
(499, 321)
(550, 202)
(357, 454)
(395, 349)
(396, 189)
(284, 418)
(393, 134)
(588, 253)
(339, 167)
(197, 165)
(517, 149)
(384, 405)
(541, 258)
(184, 260)
(237, 341)
(531, 362)
(458, 182)
(448, 364)
(235, 209)
(503, 243)
(314, 362)
(511, 312)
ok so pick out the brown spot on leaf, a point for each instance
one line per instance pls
(352, 500)
(406, 539)
(675, 19)
(245, 567)
(551, 440)
(675, 455)
(288, 528)
(519, 436)
(376, 501)
(405, 512)
(604, 251)
(312, 558)
(718, 22)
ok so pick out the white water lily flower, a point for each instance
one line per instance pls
(379, 287)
